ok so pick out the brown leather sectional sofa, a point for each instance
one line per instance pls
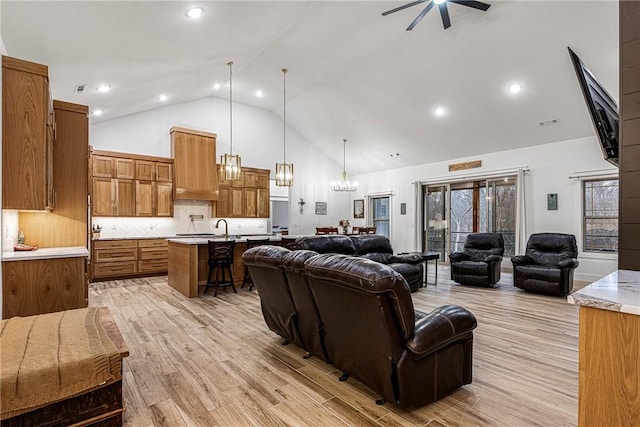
(358, 315)
(371, 246)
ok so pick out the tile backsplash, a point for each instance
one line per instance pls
(10, 229)
(180, 223)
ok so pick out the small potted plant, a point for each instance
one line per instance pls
(344, 223)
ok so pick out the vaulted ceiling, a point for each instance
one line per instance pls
(352, 72)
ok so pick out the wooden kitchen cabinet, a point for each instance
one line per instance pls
(194, 168)
(149, 191)
(103, 196)
(28, 134)
(164, 199)
(145, 170)
(245, 198)
(145, 198)
(129, 258)
(43, 286)
(125, 202)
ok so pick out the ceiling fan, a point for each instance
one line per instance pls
(444, 12)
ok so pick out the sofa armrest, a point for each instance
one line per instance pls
(521, 260)
(493, 258)
(440, 327)
(406, 259)
(568, 263)
(458, 256)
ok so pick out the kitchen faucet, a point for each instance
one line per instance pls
(226, 227)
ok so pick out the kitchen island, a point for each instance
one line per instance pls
(188, 258)
(609, 350)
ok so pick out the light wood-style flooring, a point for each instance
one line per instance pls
(212, 362)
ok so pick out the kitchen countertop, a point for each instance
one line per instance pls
(619, 291)
(46, 253)
(204, 240)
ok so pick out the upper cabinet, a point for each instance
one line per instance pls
(247, 197)
(28, 134)
(194, 154)
(131, 185)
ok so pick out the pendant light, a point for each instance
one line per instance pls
(231, 162)
(284, 170)
(344, 184)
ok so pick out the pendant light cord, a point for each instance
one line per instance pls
(344, 157)
(230, 64)
(284, 115)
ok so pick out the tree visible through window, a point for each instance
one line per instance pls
(601, 215)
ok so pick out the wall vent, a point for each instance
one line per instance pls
(80, 88)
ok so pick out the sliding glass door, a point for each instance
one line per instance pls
(454, 210)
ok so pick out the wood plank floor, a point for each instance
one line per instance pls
(212, 362)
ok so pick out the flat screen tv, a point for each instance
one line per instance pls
(602, 107)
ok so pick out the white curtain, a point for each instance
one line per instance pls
(417, 215)
(521, 215)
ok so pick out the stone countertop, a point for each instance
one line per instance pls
(205, 240)
(619, 291)
(133, 238)
(46, 253)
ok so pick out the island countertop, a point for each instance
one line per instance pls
(619, 291)
(46, 253)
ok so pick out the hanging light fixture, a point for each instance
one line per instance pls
(284, 170)
(231, 162)
(344, 184)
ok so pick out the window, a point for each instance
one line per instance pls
(481, 206)
(600, 215)
(380, 209)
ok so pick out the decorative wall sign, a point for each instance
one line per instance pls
(321, 208)
(403, 208)
(552, 201)
(466, 165)
(358, 208)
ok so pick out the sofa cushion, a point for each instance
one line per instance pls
(371, 243)
(539, 272)
(327, 244)
(383, 258)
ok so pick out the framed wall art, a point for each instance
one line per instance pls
(358, 208)
(321, 208)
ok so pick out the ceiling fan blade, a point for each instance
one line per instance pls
(472, 3)
(419, 17)
(444, 13)
(403, 7)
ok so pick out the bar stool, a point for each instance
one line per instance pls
(220, 261)
(252, 244)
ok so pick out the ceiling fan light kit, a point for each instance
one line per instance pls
(442, 5)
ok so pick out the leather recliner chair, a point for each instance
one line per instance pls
(279, 311)
(373, 333)
(371, 246)
(479, 262)
(548, 264)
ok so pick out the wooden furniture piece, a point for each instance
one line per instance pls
(43, 281)
(609, 351)
(100, 405)
(629, 221)
(131, 185)
(248, 197)
(326, 230)
(28, 134)
(188, 264)
(252, 243)
(122, 258)
(194, 154)
(70, 214)
(363, 230)
(220, 263)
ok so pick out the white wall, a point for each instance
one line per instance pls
(257, 137)
(550, 166)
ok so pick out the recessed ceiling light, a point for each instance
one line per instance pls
(195, 12)
(259, 94)
(216, 86)
(104, 88)
(515, 88)
(97, 112)
(440, 111)
(163, 97)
